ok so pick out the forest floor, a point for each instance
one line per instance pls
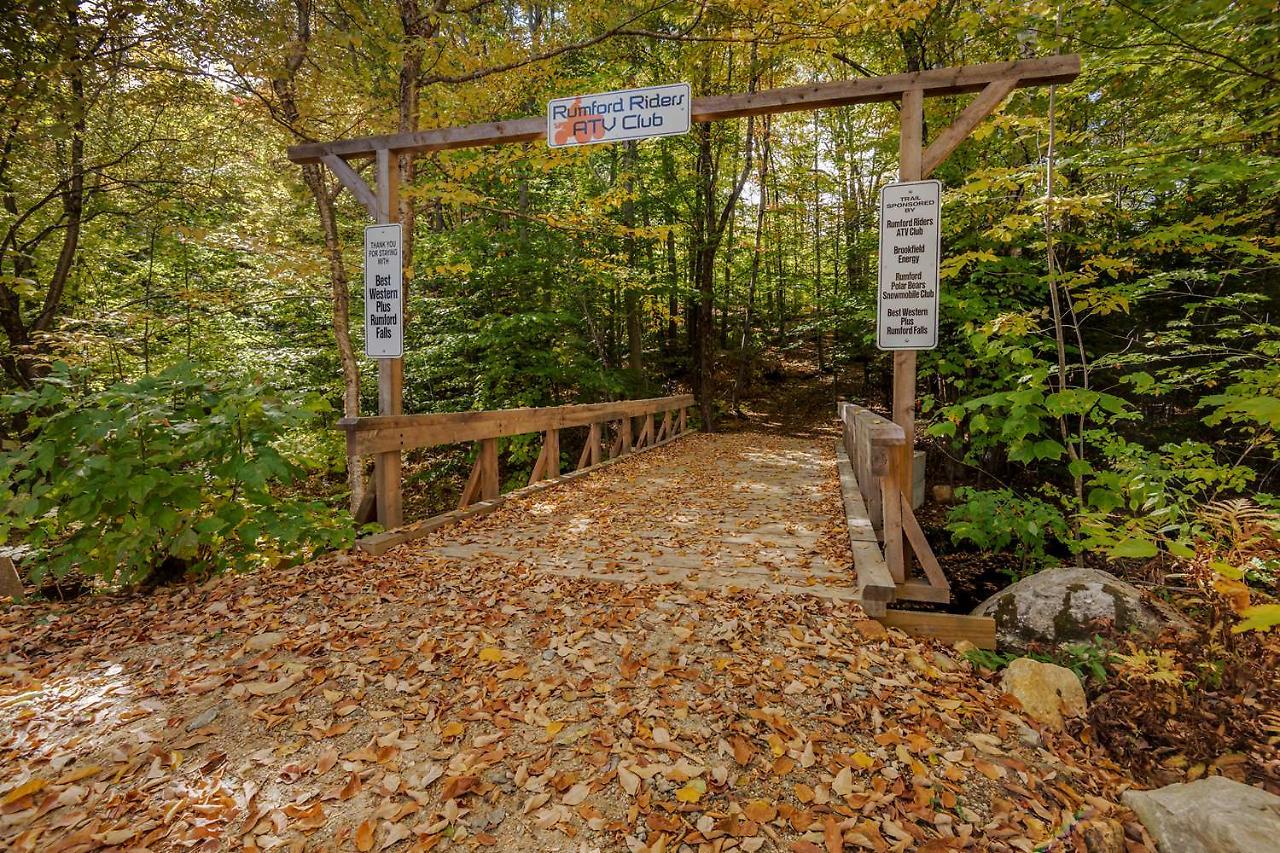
(424, 700)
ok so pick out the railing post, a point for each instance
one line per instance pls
(552, 445)
(625, 436)
(386, 466)
(488, 469)
(910, 156)
(891, 507)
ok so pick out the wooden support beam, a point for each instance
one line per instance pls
(353, 182)
(488, 461)
(894, 554)
(591, 449)
(981, 107)
(646, 431)
(875, 583)
(920, 591)
(683, 425)
(471, 490)
(946, 627)
(386, 465)
(864, 90)
(911, 121)
(920, 545)
(536, 474)
(664, 429)
(624, 436)
(551, 450)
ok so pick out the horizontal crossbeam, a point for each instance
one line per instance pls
(933, 83)
(385, 433)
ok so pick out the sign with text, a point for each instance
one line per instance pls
(383, 292)
(619, 116)
(910, 246)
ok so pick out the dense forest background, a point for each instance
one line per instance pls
(1108, 368)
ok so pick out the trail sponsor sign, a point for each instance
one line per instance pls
(383, 292)
(910, 245)
(619, 116)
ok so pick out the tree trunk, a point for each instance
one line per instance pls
(313, 175)
(744, 359)
(285, 90)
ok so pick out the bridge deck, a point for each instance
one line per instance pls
(745, 510)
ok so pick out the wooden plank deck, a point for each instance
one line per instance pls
(745, 511)
(738, 511)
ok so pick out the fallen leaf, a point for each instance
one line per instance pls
(843, 783)
(629, 781)
(692, 792)
(26, 789)
(760, 811)
(364, 836)
(577, 794)
(325, 762)
(78, 774)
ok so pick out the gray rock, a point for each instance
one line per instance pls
(1213, 815)
(1029, 736)
(1070, 604)
(204, 718)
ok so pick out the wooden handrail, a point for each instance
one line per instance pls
(384, 433)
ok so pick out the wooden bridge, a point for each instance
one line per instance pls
(650, 502)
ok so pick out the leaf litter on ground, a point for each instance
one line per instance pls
(420, 701)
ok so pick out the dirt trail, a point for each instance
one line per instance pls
(426, 701)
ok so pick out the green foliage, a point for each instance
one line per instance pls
(169, 470)
(1093, 660)
(999, 519)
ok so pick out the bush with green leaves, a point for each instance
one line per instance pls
(1000, 519)
(172, 470)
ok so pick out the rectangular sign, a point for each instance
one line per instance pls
(910, 246)
(619, 116)
(383, 292)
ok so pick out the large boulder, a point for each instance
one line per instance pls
(1047, 693)
(1213, 815)
(1069, 604)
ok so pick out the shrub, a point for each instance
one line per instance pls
(171, 470)
(997, 519)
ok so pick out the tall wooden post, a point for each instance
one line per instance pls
(386, 466)
(910, 159)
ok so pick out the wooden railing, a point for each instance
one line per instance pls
(612, 433)
(877, 510)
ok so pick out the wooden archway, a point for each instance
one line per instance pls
(992, 82)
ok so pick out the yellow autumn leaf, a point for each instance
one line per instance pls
(777, 744)
(451, 731)
(25, 789)
(554, 727)
(863, 760)
(491, 654)
(692, 792)
(78, 774)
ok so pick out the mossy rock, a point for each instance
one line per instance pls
(1069, 604)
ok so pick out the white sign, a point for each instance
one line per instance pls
(910, 243)
(619, 116)
(383, 292)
